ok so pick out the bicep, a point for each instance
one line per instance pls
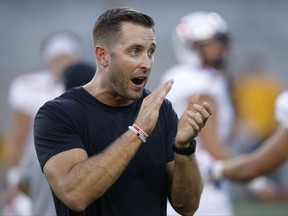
(57, 168)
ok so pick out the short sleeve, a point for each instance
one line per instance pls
(19, 98)
(28, 92)
(281, 109)
(54, 132)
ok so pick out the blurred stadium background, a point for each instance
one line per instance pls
(258, 27)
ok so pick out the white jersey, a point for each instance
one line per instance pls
(190, 81)
(27, 94)
(281, 110)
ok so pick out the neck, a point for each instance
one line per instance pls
(104, 95)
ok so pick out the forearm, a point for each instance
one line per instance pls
(14, 152)
(241, 168)
(186, 184)
(271, 154)
(89, 179)
(17, 137)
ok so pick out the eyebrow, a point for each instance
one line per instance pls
(136, 45)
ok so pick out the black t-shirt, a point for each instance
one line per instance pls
(78, 120)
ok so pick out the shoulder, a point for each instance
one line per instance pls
(30, 79)
(64, 102)
(29, 83)
(55, 112)
(29, 91)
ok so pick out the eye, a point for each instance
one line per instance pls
(151, 52)
(135, 51)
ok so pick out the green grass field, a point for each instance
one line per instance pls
(256, 208)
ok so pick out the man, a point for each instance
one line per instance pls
(271, 154)
(27, 93)
(106, 148)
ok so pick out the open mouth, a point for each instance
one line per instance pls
(139, 81)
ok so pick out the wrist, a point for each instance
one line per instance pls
(182, 145)
(217, 170)
(189, 149)
(139, 132)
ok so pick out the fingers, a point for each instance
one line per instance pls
(165, 88)
(208, 108)
(198, 119)
(205, 110)
(196, 125)
(194, 118)
(149, 112)
(194, 99)
(158, 95)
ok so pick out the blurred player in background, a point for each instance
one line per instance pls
(31, 177)
(27, 94)
(202, 43)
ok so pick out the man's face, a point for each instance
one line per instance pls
(131, 61)
(211, 51)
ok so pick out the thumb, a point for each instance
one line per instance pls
(193, 100)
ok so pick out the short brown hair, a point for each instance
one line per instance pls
(107, 26)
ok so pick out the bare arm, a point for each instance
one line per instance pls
(187, 184)
(78, 180)
(272, 153)
(15, 143)
(16, 138)
(209, 135)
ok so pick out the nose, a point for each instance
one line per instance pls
(147, 62)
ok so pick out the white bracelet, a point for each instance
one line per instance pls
(217, 170)
(139, 132)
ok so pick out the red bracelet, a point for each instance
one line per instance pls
(139, 132)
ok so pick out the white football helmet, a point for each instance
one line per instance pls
(195, 27)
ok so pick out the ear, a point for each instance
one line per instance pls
(101, 54)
